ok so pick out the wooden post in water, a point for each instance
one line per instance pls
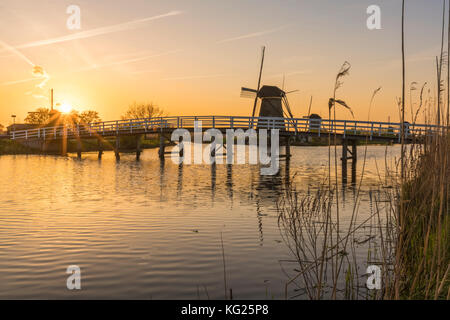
(100, 148)
(212, 152)
(64, 142)
(354, 152)
(162, 146)
(138, 147)
(43, 147)
(181, 148)
(116, 150)
(344, 160)
(79, 148)
(288, 148)
(354, 160)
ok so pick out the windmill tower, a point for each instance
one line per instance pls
(273, 100)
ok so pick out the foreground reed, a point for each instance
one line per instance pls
(409, 243)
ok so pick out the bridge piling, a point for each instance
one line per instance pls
(162, 146)
(354, 152)
(288, 148)
(344, 160)
(181, 148)
(138, 147)
(100, 149)
(116, 150)
(79, 148)
(212, 153)
(43, 147)
(354, 160)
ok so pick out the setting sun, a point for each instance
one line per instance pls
(66, 108)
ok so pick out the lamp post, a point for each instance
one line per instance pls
(14, 121)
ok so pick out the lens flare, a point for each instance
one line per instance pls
(66, 108)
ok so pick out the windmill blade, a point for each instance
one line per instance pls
(288, 108)
(248, 93)
(259, 81)
(292, 91)
(249, 90)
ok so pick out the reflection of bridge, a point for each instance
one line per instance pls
(349, 132)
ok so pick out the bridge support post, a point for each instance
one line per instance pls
(162, 146)
(138, 147)
(354, 160)
(181, 148)
(288, 147)
(116, 149)
(212, 152)
(354, 153)
(79, 148)
(64, 142)
(344, 160)
(100, 149)
(43, 147)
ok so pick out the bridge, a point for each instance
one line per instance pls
(349, 132)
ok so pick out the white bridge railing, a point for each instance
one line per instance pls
(319, 127)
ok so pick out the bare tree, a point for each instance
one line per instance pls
(142, 110)
(89, 116)
(40, 116)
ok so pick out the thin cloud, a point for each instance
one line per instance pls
(37, 71)
(10, 83)
(144, 71)
(98, 31)
(288, 74)
(127, 61)
(254, 34)
(195, 77)
(16, 52)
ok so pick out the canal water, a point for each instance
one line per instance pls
(154, 230)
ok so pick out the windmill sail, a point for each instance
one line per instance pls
(248, 93)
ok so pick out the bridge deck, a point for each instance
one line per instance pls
(350, 129)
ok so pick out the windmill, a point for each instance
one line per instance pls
(274, 102)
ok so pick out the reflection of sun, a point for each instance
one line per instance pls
(66, 108)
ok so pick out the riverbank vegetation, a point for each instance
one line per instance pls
(401, 248)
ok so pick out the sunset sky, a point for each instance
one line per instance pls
(191, 57)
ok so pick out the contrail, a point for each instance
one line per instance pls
(9, 83)
(121, 62)
(16, 52)
(37, 71)
(98, 31)
(252, 35)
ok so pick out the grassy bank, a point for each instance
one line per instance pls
(406, 235)
(13, 147)
(10, 147)
(423, 244)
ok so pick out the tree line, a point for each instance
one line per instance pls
(43, 116)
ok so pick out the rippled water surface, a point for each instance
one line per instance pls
(151, 229)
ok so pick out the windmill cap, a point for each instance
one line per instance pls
(270, 92)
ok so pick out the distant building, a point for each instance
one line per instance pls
(21, 126)
(315, 121)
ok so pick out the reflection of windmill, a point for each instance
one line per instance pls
(272, 98)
